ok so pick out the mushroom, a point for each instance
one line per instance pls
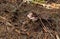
(32, 16)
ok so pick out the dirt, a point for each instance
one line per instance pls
(14, 24)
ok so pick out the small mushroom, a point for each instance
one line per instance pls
(32, 16)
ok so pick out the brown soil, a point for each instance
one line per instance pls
(14, 24)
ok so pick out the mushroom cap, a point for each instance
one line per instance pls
(32, 16)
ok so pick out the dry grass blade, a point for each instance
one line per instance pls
(45, 37)
(2, 17)
(17, 31)
(57, 37)
(21, 4)
(48, 22)
(44, 28)
(7, 23)
(52, 35)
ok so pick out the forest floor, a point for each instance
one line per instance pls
(14, 23)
